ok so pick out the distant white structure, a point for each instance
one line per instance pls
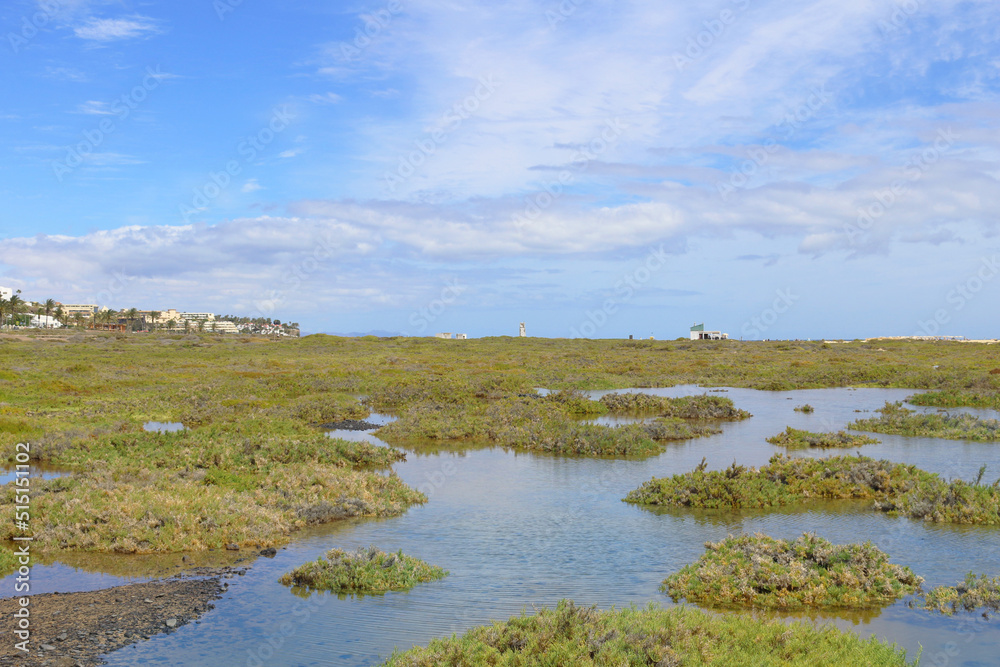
(221, 326)
(445, 335)
(522, 334)
(698, 333)
(461, 336)
(6, 292)
(44, 322)
(208, 317)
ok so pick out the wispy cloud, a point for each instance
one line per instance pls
(325, 98)
(251, 186)
(109, 30)
(67, 74)
(95, 108)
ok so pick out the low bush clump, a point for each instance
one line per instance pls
(951, 502)
(896, 488)
(550, 424)
(783, 481)
(897, 420)
(974, 593)
(634, 637)
(958, 398)
(368, 570)
(683, 407)
(794, 438)
(760, 571)
(805, 408)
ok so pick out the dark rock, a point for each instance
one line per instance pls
(232, 547)
(270, 552)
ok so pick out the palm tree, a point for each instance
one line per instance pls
(104, 317)
(171, 323)
(154, 315)
(15, 304)
(201, 326)
(49, 306)
(60, 315)
(78, 319)
(130, 315)
(187, 325)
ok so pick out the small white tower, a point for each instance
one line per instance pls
(522, 333)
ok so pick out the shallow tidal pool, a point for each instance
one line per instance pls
(519, 531)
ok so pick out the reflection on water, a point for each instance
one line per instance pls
(519, 530)
(163, 427)
(35, 470)
(365, 435)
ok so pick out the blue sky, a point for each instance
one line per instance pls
(773, 169)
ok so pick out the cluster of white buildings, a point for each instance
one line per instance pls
(171, 319)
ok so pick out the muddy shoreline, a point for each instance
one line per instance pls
(77, 629)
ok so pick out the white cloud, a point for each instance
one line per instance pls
(108, 30)
(251, 186)
(95, 108)
(325, 98)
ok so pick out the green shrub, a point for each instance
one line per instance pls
(974, 593)
(683, 407)
(640, 637)
(783, 481)
(897, 420)
(760, 571)
(794, 438)
(362, 571)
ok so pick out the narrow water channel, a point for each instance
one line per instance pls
(520, 531)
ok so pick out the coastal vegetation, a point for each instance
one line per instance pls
(782, 481)
(760, 571)
(895, 488)
(362, 571)
(250, 466)
(976, 592)
(959, 398)
(8, 562)
(552, 423)
(894, 419)
(793, 438)
(642, 636)
(683, 407)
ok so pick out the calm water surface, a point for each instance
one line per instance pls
(520, 531)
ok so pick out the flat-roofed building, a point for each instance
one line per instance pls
(209, 317)
(221, 326)
(85, 309)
